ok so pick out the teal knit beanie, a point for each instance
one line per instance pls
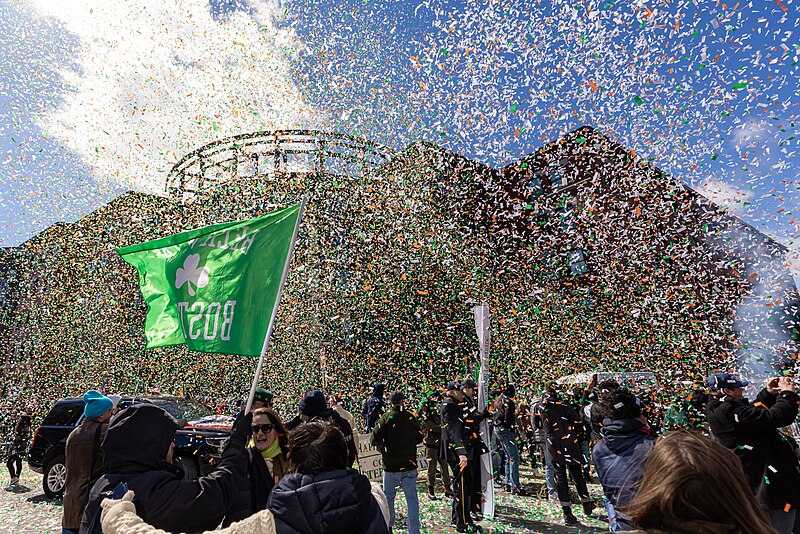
(96, 404)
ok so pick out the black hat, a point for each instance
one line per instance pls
(313, 403)
(468, 383)
(453, 386)
(509, 390)
(397, 397)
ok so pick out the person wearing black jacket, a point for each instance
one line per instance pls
(432, 439)
(396, 435)
(562, 428)
(321, 494)
(504, 421)
(462, 448)
(472, 424)
(266, 455)
(751, 431)
(314, 407)
(18, 446)
(138, 452)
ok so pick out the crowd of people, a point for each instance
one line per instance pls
(718, 464)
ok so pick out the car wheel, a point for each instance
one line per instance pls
(188, 465)
(54, 477)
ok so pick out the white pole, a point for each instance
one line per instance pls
(277, 303)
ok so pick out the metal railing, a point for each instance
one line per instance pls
(271, 154)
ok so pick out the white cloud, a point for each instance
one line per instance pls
(159, 78)
(793, 257)
(726, 196)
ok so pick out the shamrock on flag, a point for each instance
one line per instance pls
(191, 274)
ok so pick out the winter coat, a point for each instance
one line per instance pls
(460, 433)
(691, 527)
(396, 435)
(347, 416)
(432, 430)
(135, 449)
(334, 417)
(524, 426)
(84, 465)
(594, 420)
(119, 517)
(254, 490)
(332, 502)
(472, 425)
(563, 429)
(750, 430)
(22, 435)
(505, 417)
(374, 407)
(536, 423)
(619, 458)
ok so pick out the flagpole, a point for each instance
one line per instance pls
(265, 347)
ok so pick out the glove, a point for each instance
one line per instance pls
(241, 429)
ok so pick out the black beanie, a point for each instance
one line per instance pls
(313, 403)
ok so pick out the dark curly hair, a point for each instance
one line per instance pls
(619, 404)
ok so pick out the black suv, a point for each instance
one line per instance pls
(198, 445)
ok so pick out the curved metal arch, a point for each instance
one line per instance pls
(274, 153)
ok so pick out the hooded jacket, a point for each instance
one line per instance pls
(135, 448)
(619, 458)
(374, 407)
(332, 502)
(751, 431)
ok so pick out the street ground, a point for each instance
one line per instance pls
(26, 510)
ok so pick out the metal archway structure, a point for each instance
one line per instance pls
(271, 154)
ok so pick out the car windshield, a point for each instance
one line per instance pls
(186, 409)
(631, 380)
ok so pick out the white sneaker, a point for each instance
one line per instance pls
(15, 481)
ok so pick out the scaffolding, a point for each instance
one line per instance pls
(270, 155)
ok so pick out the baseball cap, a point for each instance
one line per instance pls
(725, 380)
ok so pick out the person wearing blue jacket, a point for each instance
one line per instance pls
(619, 455)
(374, 407)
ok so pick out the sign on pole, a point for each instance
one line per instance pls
(483, 328)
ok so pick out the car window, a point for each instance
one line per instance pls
(63, 414)
(183, 408)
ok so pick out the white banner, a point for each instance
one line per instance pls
(371, 465)
(483, 329)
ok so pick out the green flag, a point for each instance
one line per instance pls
(214, 288)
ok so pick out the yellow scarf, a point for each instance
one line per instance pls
(272, 451)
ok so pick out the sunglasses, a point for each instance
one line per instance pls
(266, 429)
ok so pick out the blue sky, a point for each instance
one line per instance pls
(99, 98)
